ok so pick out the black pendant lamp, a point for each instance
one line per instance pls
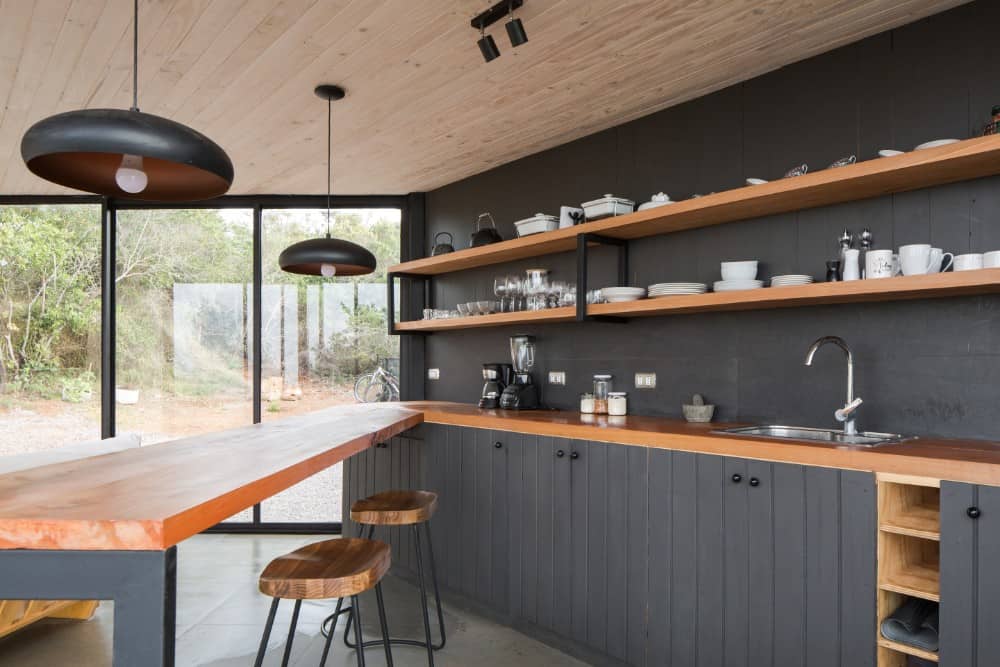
(327, 256)
(127, 154)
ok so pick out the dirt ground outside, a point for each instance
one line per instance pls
(31, 425)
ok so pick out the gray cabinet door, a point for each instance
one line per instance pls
(970, 583)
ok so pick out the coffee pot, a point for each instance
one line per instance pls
(497, 377)
(442, 248)
(485, 235)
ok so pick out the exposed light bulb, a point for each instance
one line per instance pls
(328, 270)
(130, 177)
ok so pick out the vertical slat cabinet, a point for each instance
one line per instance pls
(970, 583)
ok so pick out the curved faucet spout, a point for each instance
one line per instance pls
(849, 406)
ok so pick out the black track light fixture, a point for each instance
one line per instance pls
(515, 29)
(487, 46)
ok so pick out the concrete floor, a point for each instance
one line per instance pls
(220, 616)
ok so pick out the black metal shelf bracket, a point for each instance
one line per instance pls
(583, 242)
(390, 284)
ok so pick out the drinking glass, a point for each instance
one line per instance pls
(500, 290)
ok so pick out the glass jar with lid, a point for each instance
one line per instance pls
(587, 404)
(617, 403)
(602, 387)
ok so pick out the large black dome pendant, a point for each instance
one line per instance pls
(127, 153)
(328, 256)
(85, 149)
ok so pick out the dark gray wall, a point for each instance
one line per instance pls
(924, 367)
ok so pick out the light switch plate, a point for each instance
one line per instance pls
(645, 380)
(557, 377)
(433, 373)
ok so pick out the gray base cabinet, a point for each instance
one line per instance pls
(970, 582)
(648, 556)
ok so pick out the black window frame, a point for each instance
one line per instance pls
(411, 242)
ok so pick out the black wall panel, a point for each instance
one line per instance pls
(924, 367)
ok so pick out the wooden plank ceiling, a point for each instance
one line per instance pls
(423, 109)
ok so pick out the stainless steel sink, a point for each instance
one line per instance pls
(863, 439)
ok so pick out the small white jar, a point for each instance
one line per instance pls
(617, 403)
(587, 404)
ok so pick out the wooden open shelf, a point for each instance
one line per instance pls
(907, 509)
(972, 158)
(908, 650)
(918, 580)
(962, 283)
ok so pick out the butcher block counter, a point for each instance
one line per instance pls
(973, 461)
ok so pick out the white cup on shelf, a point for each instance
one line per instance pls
(915, 259)
(937, 260)
(878, 264)
(969, 262)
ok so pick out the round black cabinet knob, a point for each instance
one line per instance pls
(754, 481)
(560, 453)
(575, 455)
(498, 445)
(973, 512)
(737, 478)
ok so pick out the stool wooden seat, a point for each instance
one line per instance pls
(339, 568)
(336, 568)
(395, 508)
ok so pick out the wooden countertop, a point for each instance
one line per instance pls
(976, 461)
(154, 497)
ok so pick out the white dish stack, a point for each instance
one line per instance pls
(791, 280)
(622, 294)
(738, 276)
(672, 289)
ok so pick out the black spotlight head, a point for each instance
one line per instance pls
(515, 30)
(488, 47)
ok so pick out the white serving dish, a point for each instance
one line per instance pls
(756, 181)
(659, 199)
(889, 152)
(736, 285)
(746, 270)
(935, 144)
(537, 224)
(606, 207)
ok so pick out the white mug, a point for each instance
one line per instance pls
(915, 259)
(851, 269)
(937, 255)
(991, 260)
(878, 264)
(969, 262)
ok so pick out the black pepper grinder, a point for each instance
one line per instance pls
(846, 243)
(867, 241)
(833, 271)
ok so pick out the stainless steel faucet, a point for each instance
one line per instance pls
(846, 413)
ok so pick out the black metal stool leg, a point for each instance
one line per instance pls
(356, 613)
(382, 622)
(434, 580)
(333, 625)
(267, 633)
(423, 597)
(291, 634)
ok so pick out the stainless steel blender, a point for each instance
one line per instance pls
(522, 394)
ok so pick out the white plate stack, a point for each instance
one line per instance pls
(736, 285)
(620, 294)
(671, 289)
(790, 280)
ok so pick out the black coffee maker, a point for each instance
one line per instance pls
(497, 377)
(522, 394)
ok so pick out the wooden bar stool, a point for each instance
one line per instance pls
(339, 568)
(402, 508)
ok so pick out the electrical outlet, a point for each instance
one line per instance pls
(645, 380)
(433, 373)
(557, 377)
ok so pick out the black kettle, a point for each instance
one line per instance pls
(485, 235)
(442, 248)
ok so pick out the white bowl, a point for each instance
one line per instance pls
(746, 270)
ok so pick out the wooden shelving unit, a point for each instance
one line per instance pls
(984, 281)
(909, 520)
(972, 158)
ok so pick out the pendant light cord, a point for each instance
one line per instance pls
(135, 55)
(329, 161)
